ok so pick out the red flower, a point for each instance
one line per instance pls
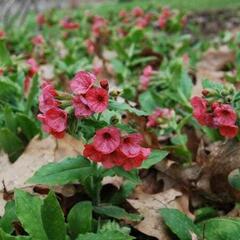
(162, 21)
(142, 22)
(33, 67)
(54, 122)
(37, 40)
(69, 25)
(144, 81)
(47, 98)
(97, 99)
(166, 13)
(2, 34)
(107, 140)
(137, 12)
(200, 109)
(130, 145)
(122, 14)
(90, 152)
(99, 23)
(82, 82)
(229, 131)
(81, 109)
(40, 19)
(224, 114)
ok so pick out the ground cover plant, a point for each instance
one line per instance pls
(119, 124)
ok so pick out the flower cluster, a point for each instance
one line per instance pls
(69, 24)
(111, 149)
(53, 118)
(145, 78)
(159, 117)
(38, 40)
(215, 115)
(98, 25)
(88, 99)
(164, 17)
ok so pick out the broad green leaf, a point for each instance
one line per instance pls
(10, 120)
(11, 144)
(32, 94)
(27, 125)
(28, 209)
(186, 84)
(125, 107)
(80, 219)
(8, 218)
(179, 223)
(5, 58)
(117, 212)
(8, 88)
(234, 179)
(66, 171)
(221, 229)
(155, 157)
(108, 235)
(132, 175)
(147, 102)
(52, 218)
(5, 236)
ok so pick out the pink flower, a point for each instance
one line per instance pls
(38, 40)
(185, 58)
(92, 153)
(162, 21)
(148, 71)
(82, 82)
(2, 34)
(137, 12)
(166, 13)
(159, 113)
(40, 19)
(90, 46)
(224, 114)
(107, 140)
(81, 109)
(33, 67)
(69, 25)
(229, 131)
(54, 121)
(122, 14)
(99, 23)
(144, 81)
(47, 98)
(142, 22)
(97, 99)
(130, 145)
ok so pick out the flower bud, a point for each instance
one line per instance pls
(205, 92)
(104, 84)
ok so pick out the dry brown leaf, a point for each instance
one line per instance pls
(211, 67)
(38, 153)
(148, 206)
(115, 181)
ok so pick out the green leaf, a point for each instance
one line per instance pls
(52, 218)
(234, 179)
(66, 171)
(212, 85)
(11, 144)
(186, 84)
(8, 88)
(131, 175)
(221, 229)
(10, 120)
(147, 102)
(5, 58)
(114, 105)
(155, 157)
(179, 223)
(32, 94)
(8, 217)
(28, 209)
(117, 212)
(5, 236)
(108, 235)
(27, 125)
(80, 219)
